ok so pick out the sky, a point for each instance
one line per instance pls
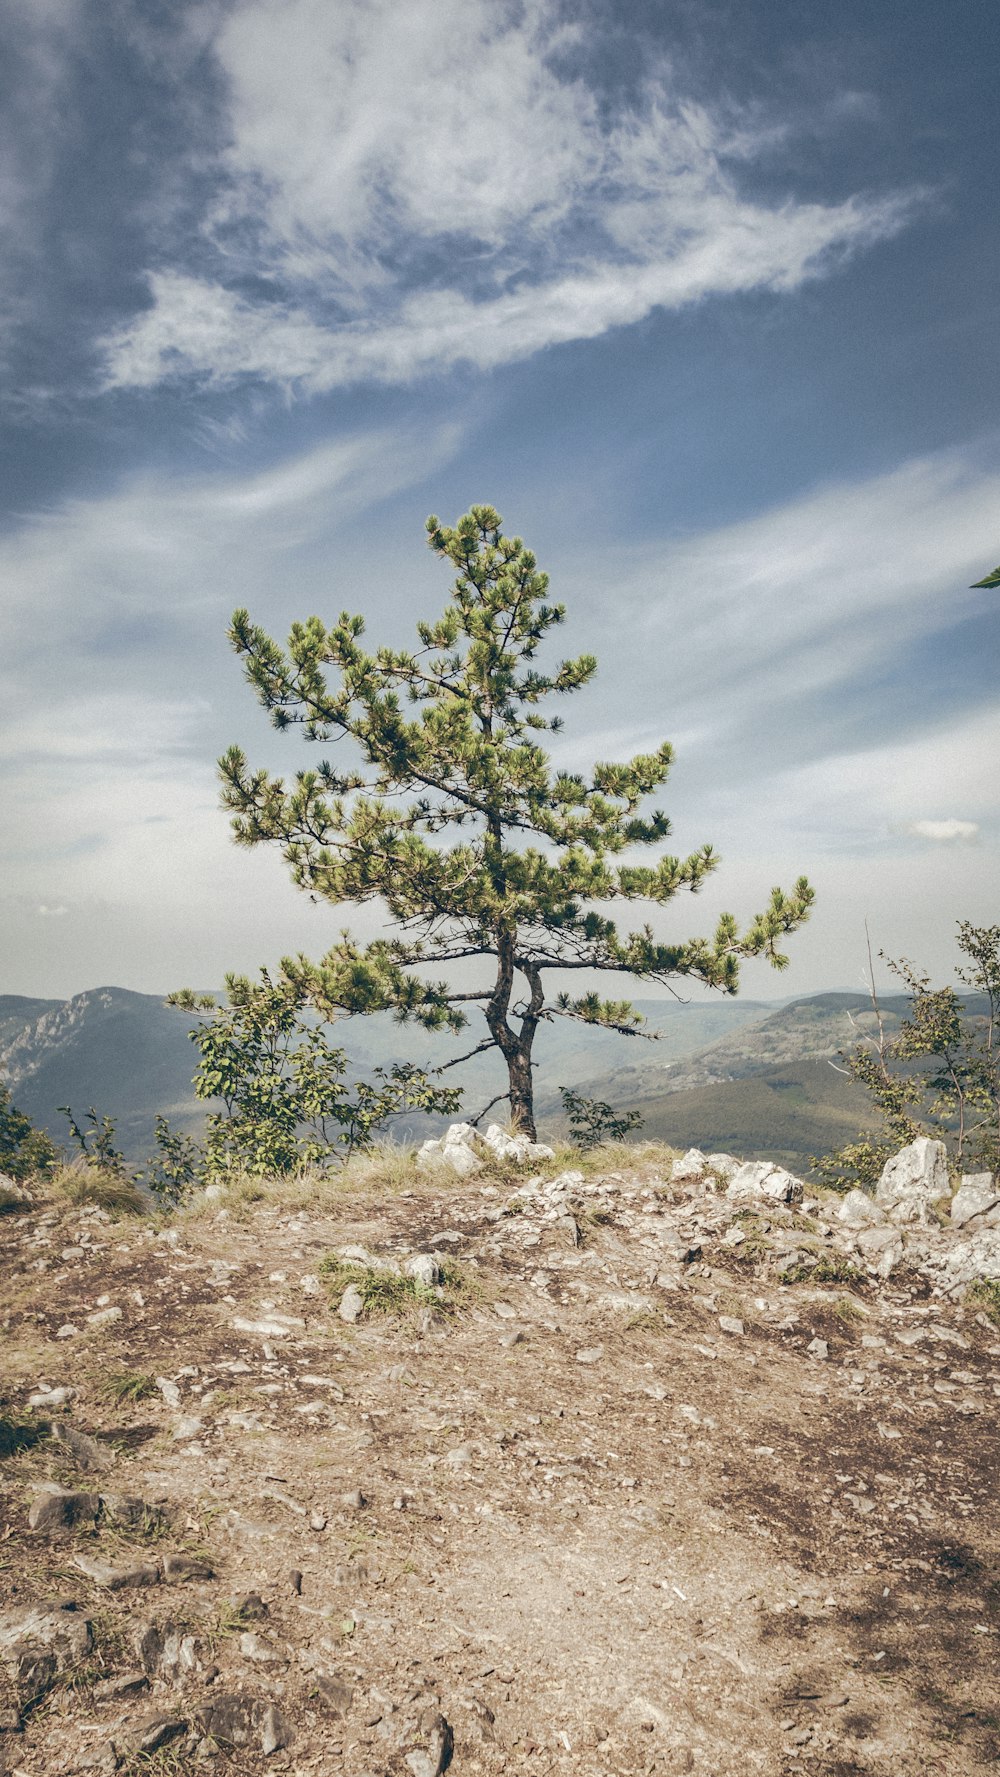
(701, 295)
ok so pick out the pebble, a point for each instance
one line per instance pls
(105, 1317)
(351, 1305)
(730, 1323)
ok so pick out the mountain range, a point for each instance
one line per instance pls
(743, 1076)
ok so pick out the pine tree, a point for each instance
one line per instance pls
(445, 742)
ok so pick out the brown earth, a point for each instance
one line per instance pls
(555, 1503)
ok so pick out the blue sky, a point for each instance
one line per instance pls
(701, 296)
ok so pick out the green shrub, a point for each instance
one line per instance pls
(24, 1151)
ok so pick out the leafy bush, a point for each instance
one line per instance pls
(592, 1121)
(288, 1100)
(939, 1075)
(24, 1150)
(96, 1144)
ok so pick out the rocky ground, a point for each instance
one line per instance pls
(654, 1477)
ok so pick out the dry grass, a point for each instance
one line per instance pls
(79, 1183)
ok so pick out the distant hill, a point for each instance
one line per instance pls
(746, 1076)
(129, 1055)
(786, 1113)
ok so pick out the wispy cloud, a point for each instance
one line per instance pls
(410, 186)
(947, 832)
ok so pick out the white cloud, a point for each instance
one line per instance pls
(52, 912)
(800, 607)
(424, 185)
(944, 832)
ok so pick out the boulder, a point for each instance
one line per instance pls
(691, 1165)
(913, 1180)
(977, 1195)
(62, 1508)
(38, 1641)
(761, 1181)
(858, 1210)
(517, 1148)
(953, 1265)
(881, 1249)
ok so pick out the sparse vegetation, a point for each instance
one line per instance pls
(939, 1074)
(289, 1102)
(985, 1295)
(387, 1292)
(828, 1268)
(122, 1387)
(25, 1152)
(592, 1122)
(84, 1182)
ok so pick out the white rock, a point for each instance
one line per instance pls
(818, 1348)
(52, 1397)
(723, 1164)
(425, 1268)
(761, 1181)
(951, 1266)
(912, 1180)
(169, 1390)
(518, 1148)
(105, 1317)
(352, 1304)
(976, 1196)
(278, 1326)
(691, 1165)
(309, 1285)
(187, 1426)
(457, 1149)
(730, 1323)
(881, 1249)
(859, 1210)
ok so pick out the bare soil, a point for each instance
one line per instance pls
(561, 1508)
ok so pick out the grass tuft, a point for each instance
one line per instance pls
(985, 1294)
(385, 1292)
(123, 1386)
(79, 1184)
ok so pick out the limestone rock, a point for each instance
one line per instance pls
(881, 1249)
(761, 1181)
(61, 1508)
(351, 1305)
(859, 1210)
(952, 1265)
(425, 1269)
(977, 1195)
(691, 1165)
(518, 1148)
(912, 1180)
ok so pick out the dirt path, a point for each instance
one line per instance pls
(563, 1512)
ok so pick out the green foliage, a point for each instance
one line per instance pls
(444, 739)
(387, 1292)
(592, 1122)
(828, 1268)
(25, 1152)
(940, 1073)
(856, 1165)
(285, 1088)
(985, 1294)
(127, 1386)
(990, 581)
(96, 1144)
(176, 1168)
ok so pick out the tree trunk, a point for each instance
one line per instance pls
(522, 1105)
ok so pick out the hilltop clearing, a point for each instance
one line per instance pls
(604, 1472)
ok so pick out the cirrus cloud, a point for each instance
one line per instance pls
(383, 209)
